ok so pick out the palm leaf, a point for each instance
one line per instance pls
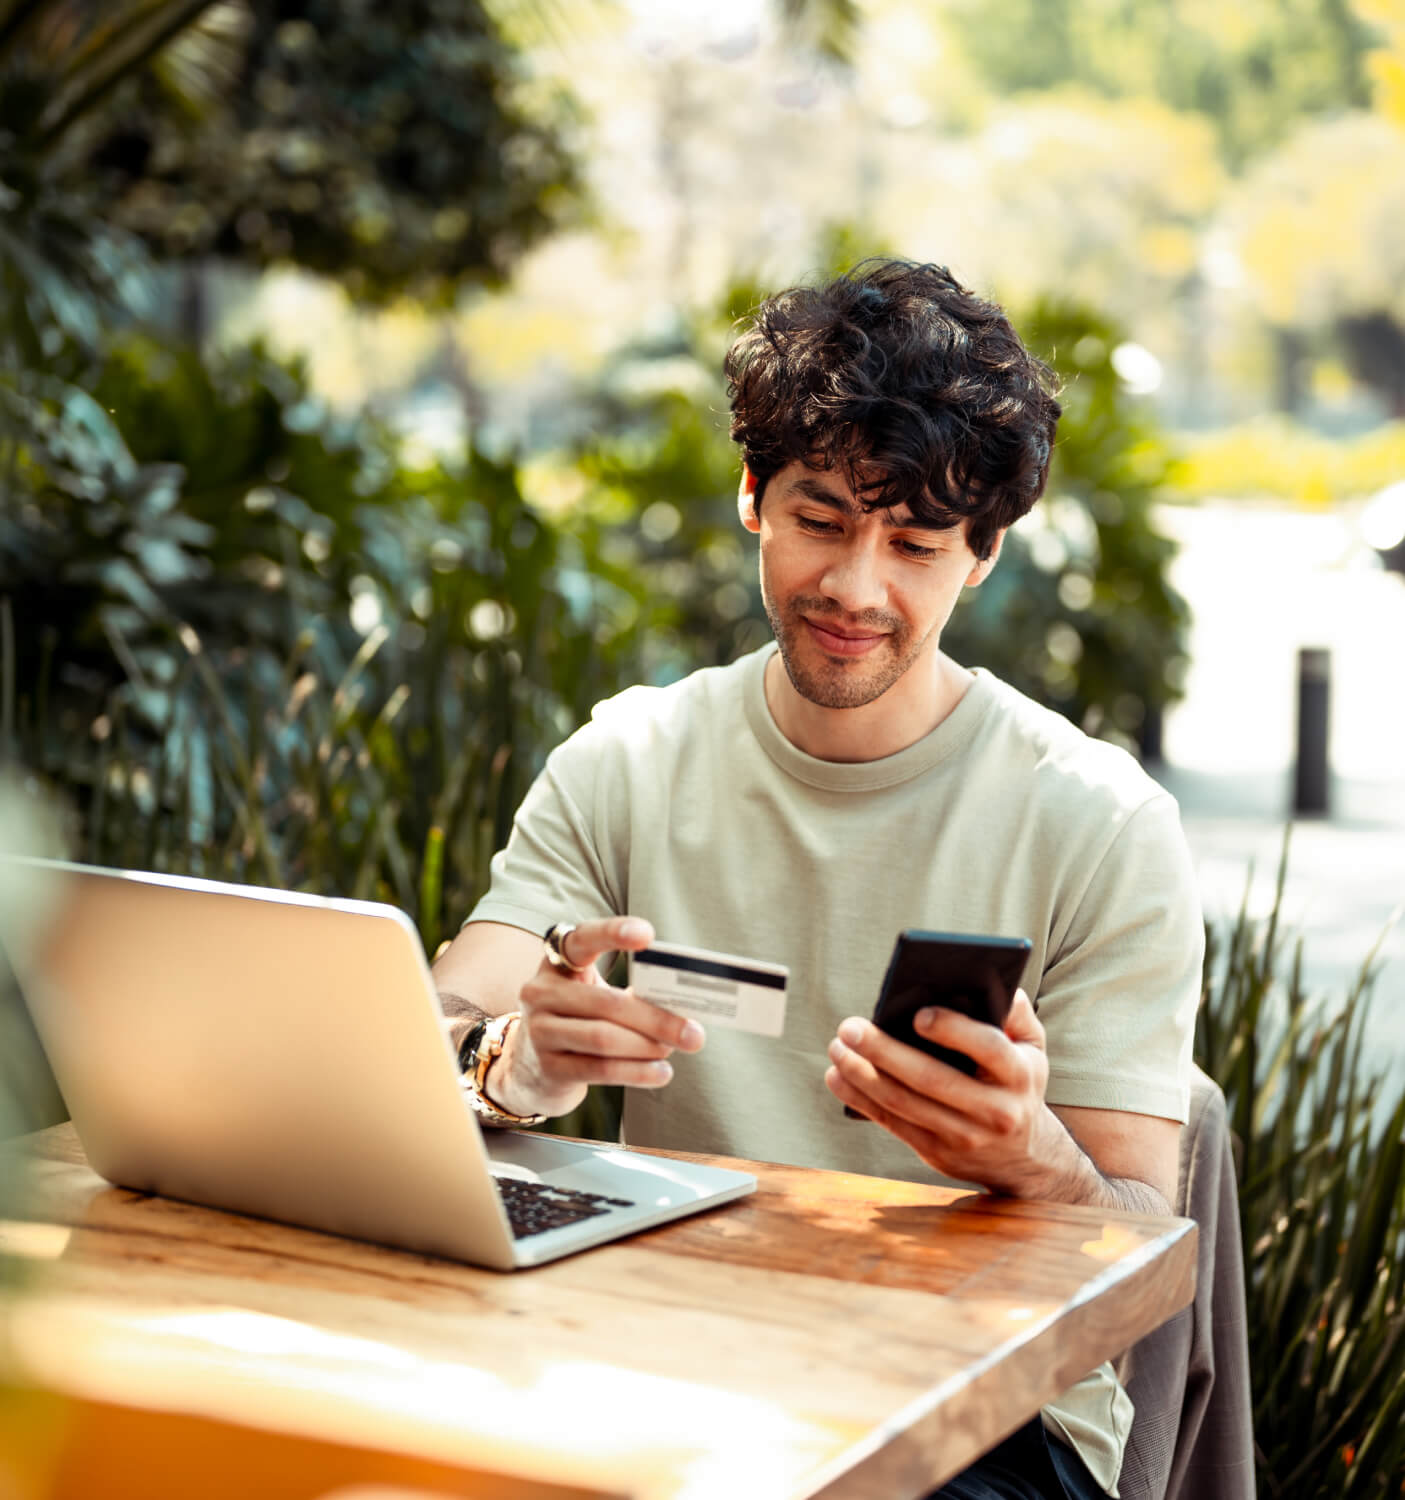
(1322, 1213)
(111, 54)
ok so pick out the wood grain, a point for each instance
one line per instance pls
(831, 1335)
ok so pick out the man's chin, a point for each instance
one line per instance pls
(837, 684)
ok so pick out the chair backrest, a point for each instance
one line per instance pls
(1192, 1436)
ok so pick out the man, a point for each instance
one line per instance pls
(808, 802)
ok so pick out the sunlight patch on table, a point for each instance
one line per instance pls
(1115, 1242)
(571, 1418)
(28, 1241)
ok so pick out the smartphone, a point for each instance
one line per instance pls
(973, 974)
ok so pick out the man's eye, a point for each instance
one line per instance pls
(915, 550)
(817, 527)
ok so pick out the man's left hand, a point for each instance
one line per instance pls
(994, 1128)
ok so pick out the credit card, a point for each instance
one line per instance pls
(715, 989)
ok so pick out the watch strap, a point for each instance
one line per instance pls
(480, 1049)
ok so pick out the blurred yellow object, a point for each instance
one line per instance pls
(34, 1428)
(1315, 492)
(1313, 220)
(1169, 249)
(1273, 458)
(1387, 70)
(1386, 64)
(52, 1448)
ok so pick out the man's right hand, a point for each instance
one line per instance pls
(577, 1030)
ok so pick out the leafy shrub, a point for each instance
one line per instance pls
(213, 645)
(1080, 614)
(1320, 1147)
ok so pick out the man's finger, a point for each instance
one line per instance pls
(916, 1070)
(630, 1072)
(602, 1003)
(1023, 1023)
(592, 1037)
(885, 1100)
(584, 944)
(987, 1046)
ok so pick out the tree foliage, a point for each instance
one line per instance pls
(397, 148)
(1304, 99)
(1317, 226)
(1255, 68)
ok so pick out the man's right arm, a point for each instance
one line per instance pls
(481, 973)
(576, 1030)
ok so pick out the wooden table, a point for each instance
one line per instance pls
(832, 1335)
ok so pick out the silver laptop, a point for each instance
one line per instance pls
(285, 1055)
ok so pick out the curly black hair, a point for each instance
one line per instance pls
(916, 389)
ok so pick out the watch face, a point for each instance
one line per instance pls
(473, 1040)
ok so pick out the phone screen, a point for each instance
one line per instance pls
(976, 975)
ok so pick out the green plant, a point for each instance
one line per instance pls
(402, 150)
(1080, 613)
(1320, 1146)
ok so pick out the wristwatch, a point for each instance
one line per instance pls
(480, 1048)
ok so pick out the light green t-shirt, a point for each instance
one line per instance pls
(686, 805)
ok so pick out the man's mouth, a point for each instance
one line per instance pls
(840, 642)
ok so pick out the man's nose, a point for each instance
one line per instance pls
(854, 579)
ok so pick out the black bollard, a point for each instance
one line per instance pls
(1311, 774)
(1149, 736)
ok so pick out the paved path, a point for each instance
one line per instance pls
(1263, 583)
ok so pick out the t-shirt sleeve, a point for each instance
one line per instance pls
(552, 868)
(1119, 996)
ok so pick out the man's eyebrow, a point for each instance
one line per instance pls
(818, 491)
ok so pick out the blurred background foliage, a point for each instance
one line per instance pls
(397, 148)
(361, 426)
(309, 665)
(1254, 70)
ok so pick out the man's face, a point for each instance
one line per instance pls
(855, 600)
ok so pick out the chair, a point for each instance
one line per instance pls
(1192, 1437)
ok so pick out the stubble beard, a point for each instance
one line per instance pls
(837, 682)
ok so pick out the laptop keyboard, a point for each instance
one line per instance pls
(534, 1207)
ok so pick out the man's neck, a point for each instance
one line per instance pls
(909, 711)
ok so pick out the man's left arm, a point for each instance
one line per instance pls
(1119, 997)
(996, 1128)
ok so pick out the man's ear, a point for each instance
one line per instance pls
(981, 571)
(747, 512)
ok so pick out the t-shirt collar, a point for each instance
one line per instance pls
(867, 775)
